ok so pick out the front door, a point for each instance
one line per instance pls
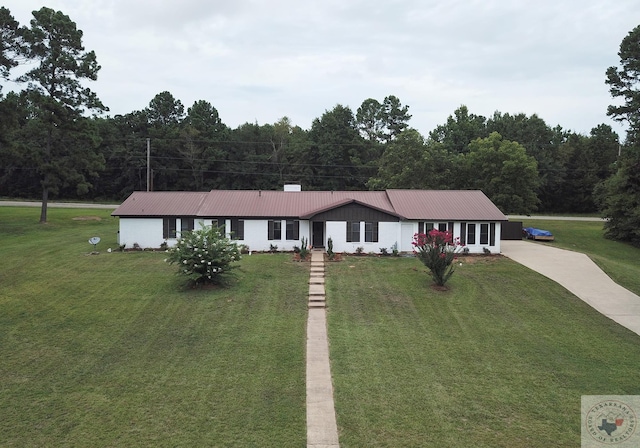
(317, 238)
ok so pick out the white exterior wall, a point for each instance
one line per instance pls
(256, 235)
(388, 233)
(146, 232)
(478, 248)
(337, 231)
(409, 228)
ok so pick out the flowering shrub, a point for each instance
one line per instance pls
(437, 251)
(204, 255)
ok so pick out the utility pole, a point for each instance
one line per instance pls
(148, 164)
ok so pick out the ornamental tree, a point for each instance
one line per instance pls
(204, 255)
(437, 251)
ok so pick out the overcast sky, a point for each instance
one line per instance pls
(257, 61)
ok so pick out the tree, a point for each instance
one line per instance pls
(460, 130)
(165, 110)
(165, 114)
(58, 100)
(619, 200)
(395, 117)
(504, 172)
(411, 162)
(382, 122)
(337, 151)
(589, 161)
(369, 120)
(11, 42)
(619, 196)
(544, 144)
(200, 134)
(624, 83)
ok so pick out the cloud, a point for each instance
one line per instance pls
(259, 61)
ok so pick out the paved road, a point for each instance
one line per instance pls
(556, 218)
(577, 273)
(57, 205)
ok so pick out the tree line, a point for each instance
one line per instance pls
(55, 140)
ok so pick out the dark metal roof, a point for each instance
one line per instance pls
(446, 205)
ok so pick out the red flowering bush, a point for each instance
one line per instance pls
(437, 250)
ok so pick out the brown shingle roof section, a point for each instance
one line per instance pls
(446, 205)
(161, 203)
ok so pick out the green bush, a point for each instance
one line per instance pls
(304, 248)
(205, 255)
(330, 251)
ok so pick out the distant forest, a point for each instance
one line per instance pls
(519, 161)
(51, 148)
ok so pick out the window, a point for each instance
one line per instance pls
(484, 233)
(274, 230)
(471, 234)
(371, 232)
(353, 232)
(186, 224)
(442, 226)
(169, 227)
(293, 230)
(221, 223)
(237, 229)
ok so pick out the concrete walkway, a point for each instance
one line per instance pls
(577, 273)
(322, 430)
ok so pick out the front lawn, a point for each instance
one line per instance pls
(109, 350)
(499, 360)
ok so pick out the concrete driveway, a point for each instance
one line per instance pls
(577, 273)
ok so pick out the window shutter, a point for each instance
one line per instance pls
(492, 234)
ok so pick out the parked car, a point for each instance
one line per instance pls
(532, 233)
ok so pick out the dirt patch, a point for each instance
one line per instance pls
(87, 218)
(477, 259)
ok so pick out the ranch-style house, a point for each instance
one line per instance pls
(261, 219)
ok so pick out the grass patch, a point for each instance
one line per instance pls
(111, 350)
(620, 261)
(492, 362)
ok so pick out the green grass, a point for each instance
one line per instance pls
(499, 360)
(110, 350)
(619, 260)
